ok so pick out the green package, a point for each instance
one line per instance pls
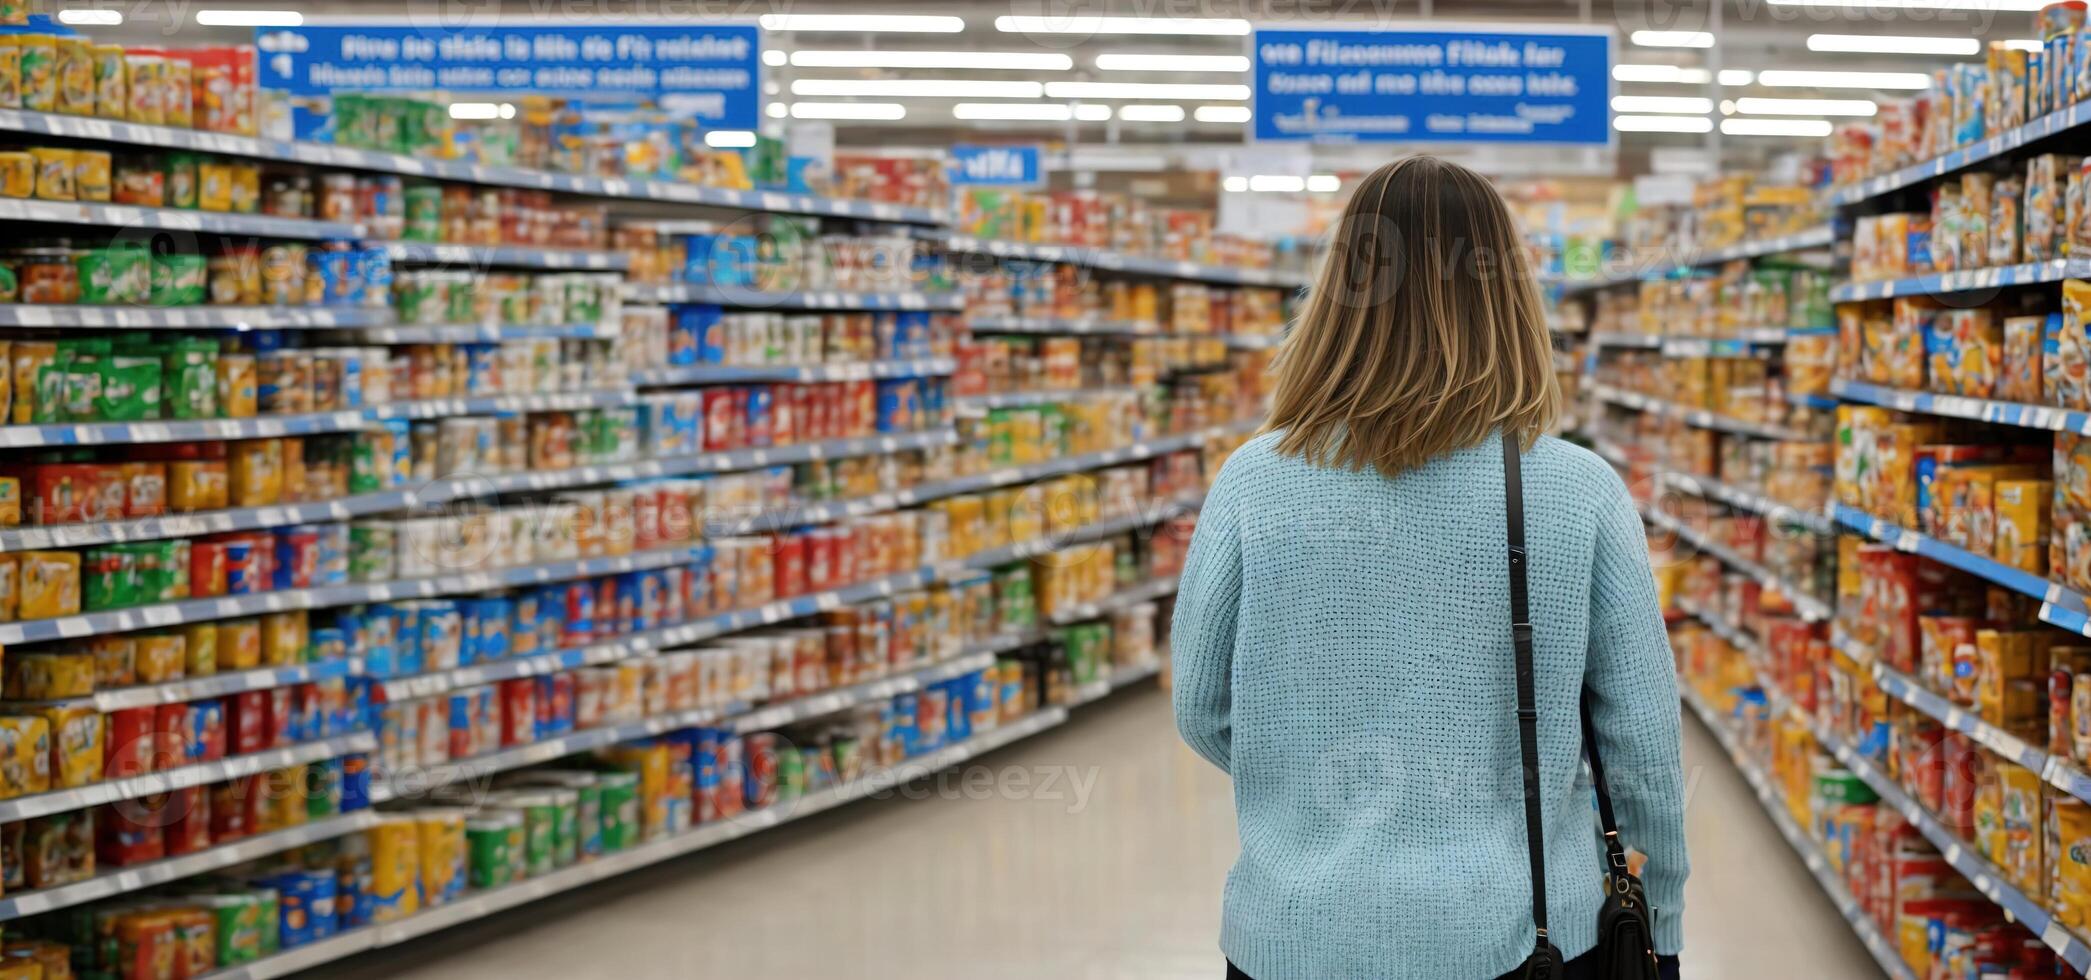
(239, 926)
(179, 280)
(619, 810)
(108, 578)
(181, 179)
(540, 829)
(189, 379)
(566, 825)
(488, 862)
(461, 304)
(159, 567)
(424, 218)
(82, 388)
(130, 389)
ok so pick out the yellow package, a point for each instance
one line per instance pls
(110, 98)
(50, 584)
(2023, 512)
(55, 169)
(91, 175)
(650, 763)
(144, 76)
(162, 657)
(442, 836)
(395, 867)
(283, 638)
(10, 499)
(176, 98)
(246, 188)
(214, 184)
(47, 675)
(2020, 797)
(17, 172)
(239, 644)
(10, 587)
(283, 799)
(197, 484)
(29, 358)
(75, 76)
(2072, 369)
(39, 71)
(115, 660)
(76, 744)
(256, 472)
(237, 397)
(25, 755)
(200, 648)
(2072, 864)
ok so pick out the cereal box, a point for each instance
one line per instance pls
(1900, 354)
(25, 755)
(2023, 509)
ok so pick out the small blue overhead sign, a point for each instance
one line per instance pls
(1436, 86)
(996, 166)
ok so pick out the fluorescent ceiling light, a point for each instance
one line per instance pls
(1092, 113)
(773, 58)
(848, 110)
(2028, 44)
(1775, 127)
(1990, 6)
(729, 138)
(1144, 90)
(481, 110)
(249, 18)
(1661, 103)
(919, 88)
(1781, 78)
(1222, 113)
(777, 110)
(844, 23)
(1088, 24)
(1006, 60)
(1806, 107)
(1737, 76)
(1029, 111)
(1662, 124)
(1278, 183)
(84, 17)
(1171, 62)
(1894, 44)
(1324, 183)
(1235, 184)
(1151, 113)
(1672, 39)
(1661, 74)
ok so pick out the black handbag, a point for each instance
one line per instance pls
(1625, 938)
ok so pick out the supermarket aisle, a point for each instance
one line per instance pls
(1124, 887)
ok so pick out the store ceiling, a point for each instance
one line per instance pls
(829, 66)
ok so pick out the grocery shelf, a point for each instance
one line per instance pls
(1014, 399)
(217, 685)
(453, 333)
(735, 374)
(1808, 606)
(177, 430)
(1607, 338)
(1612, 452)
(464, 487)
(1747, 343)
(194, 317)
(1734, 496)
(823, 703)
(419, 780)
(203, 522)
(1964, 858)
(1961, 407)
(518, 256)
(1963, 280)
(327, 154)
(1967, 156)
(1118, 678)
(746, 297)
(131, 878)
(1110, 261)
(1066, 325)
(1129, 596)
(1738, 638)
(551, 401)
(2059, 605)
(1806, 400)
(169, 219)
(1697, 417)
(1669, 260)
(1251, 341)
(1804, 845)
(1819, 236)
(486, 903)
(182, 777)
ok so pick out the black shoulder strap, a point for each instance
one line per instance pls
(1615, 852)
(1527, 699)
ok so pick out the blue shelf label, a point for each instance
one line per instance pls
(996, 166)
(712, 73)
(1352, 86)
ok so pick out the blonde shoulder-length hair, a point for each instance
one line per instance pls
(1424, 332)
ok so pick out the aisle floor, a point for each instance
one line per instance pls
(1112, 870)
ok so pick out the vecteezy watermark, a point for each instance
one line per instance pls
(1073, 786)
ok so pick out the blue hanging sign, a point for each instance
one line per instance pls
(711, 72)
(1433, 86)
(996, 166)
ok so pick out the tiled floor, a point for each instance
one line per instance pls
(1108, 865)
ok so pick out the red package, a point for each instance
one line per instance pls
(611, 615)
(132, 743)
(277, 734)
(579, 622)
(235, 808)
(246, 722)
(171, 736)
(129, 831)
(788, 566)
(518, 711)
(646, 519)
(820, 560)
(554, 701)
(188, 817)
(846, 571)
(722, 422)
(206, 569)
(784, 416)
(859, 406)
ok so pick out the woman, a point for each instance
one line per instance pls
(1342, 637)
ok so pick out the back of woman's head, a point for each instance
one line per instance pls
(1423, 333)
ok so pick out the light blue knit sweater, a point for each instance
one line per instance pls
(1342, 649)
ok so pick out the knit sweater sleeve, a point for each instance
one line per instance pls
(1632, 683)
(1201, 637)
